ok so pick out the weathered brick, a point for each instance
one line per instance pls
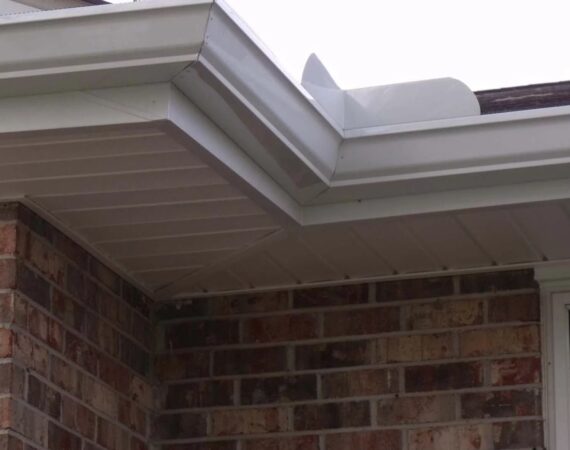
(514, 371)
(105, 276)
(497, 281)
(514, 308)
(59, 438)
(7, 273)
(133, 355)
(259, 360)
(414, 289)
(420, 347)
(77, 417)
(6, 342)
(367, 440)
(216, 445)
(30, 354)
(293, 443)
(200, 394)
(501, 404)
(38, 324)
(362, 321)
(8, 238)
(6, 308)
(249, 421)
(455, 313)
(6, 412)
(97, 395)
(332, 415)
(337, 354)
(132, 416)
(71, 313)
(63, 375)
(114, 374)
(31, 285)
(416, 410)
(330, 296)
(509, 435)
(43, 397)
(81, 353)
(278, 389)
(180, 366)
(468, 437)
(196, 334)
(12, 380)
(46, 260)
(288, 327)
(443, 376)
(500, 341)
(8, 442)
(358, 383)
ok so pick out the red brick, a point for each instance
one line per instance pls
(332, 415)
(358, 383)
(416, 410)
(294, 443)
(365, 440)
(77, 417)
(81, 353)
(38, 324)
(6, 342)
(69, 311)
(43, 397)
(259, 360)
(414, 289)
(278, 389)
(362, 321)
(336, 354)
(249, 421)
(59, 439)
(30, 354)
(497, 281)
(200, 394)
(509, 435)
(501, 404)
(63, 375)
(417, 347)
(514, 371)
(132, 416)
(515, 308)
(6, 308)
(105, 276)
(196, 334)
(181, 366)
(215, 445)
(330, 296)
(8, 238)
(12, 380)
(455, 313)
(6, 413)
(46, 260)
(32, 285)
(500, 341)
(443, 377)
(179, 426)
(280, 328)
(467, 437)
(7, 273)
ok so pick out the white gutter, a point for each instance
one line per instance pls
(299, 145)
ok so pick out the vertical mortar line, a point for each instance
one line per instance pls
(371, 292)
(319, 386)
(402, 380)
(372, 403)
(239, 445)
(405, 444)
(290, 418)
(322, 443)
(457, 406)
(456, 284)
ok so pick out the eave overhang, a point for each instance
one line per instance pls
(209, 85)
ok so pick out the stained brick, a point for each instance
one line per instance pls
(280, 328)
(416, 410)
(30, 354)
(332, 415)
(515, 371)
(43, 397)
(6, 342)
(469, 437)
(105, 276)
(31, 285)
(217, 445)
(362, 321)
(514, 308)
(368, 440)
(414, 289)
(59, 439)
(497, 281)
(443, 376)
(81, 353)
(420, 347)
(509, 435)
(132, 416)
(200, 394)
(330, 296)
(360, 383)
(337, 354)
(278, 389)
(8, 274)
(456, 313)
(63, 375)
(46, 260)
(501, 404)
(195, 334)
(293, 443)
(38, 324)
(249, 421)
(8, 238)
(500, 341)
(247, 361)
(68, 311)
(77, 417)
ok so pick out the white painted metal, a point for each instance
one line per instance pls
(555, 294)
(392, 104)
(14, 7)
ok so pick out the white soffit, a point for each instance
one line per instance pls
(193, 163)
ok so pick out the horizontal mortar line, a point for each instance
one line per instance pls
(329, 431)
(356, 368)
(333, 308)
(100, 316)
(186, 235)
(358, 398)
(156, 203)
(53, 352)
(85, 272)
(349, 338)
(115, 421)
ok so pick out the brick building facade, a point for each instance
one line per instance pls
(90, 363)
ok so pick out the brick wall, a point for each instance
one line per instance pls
(432, 364)
(74, 345)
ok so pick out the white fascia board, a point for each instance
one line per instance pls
(99, 46)
(241, 88)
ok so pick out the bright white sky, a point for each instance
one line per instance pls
(485, 43)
